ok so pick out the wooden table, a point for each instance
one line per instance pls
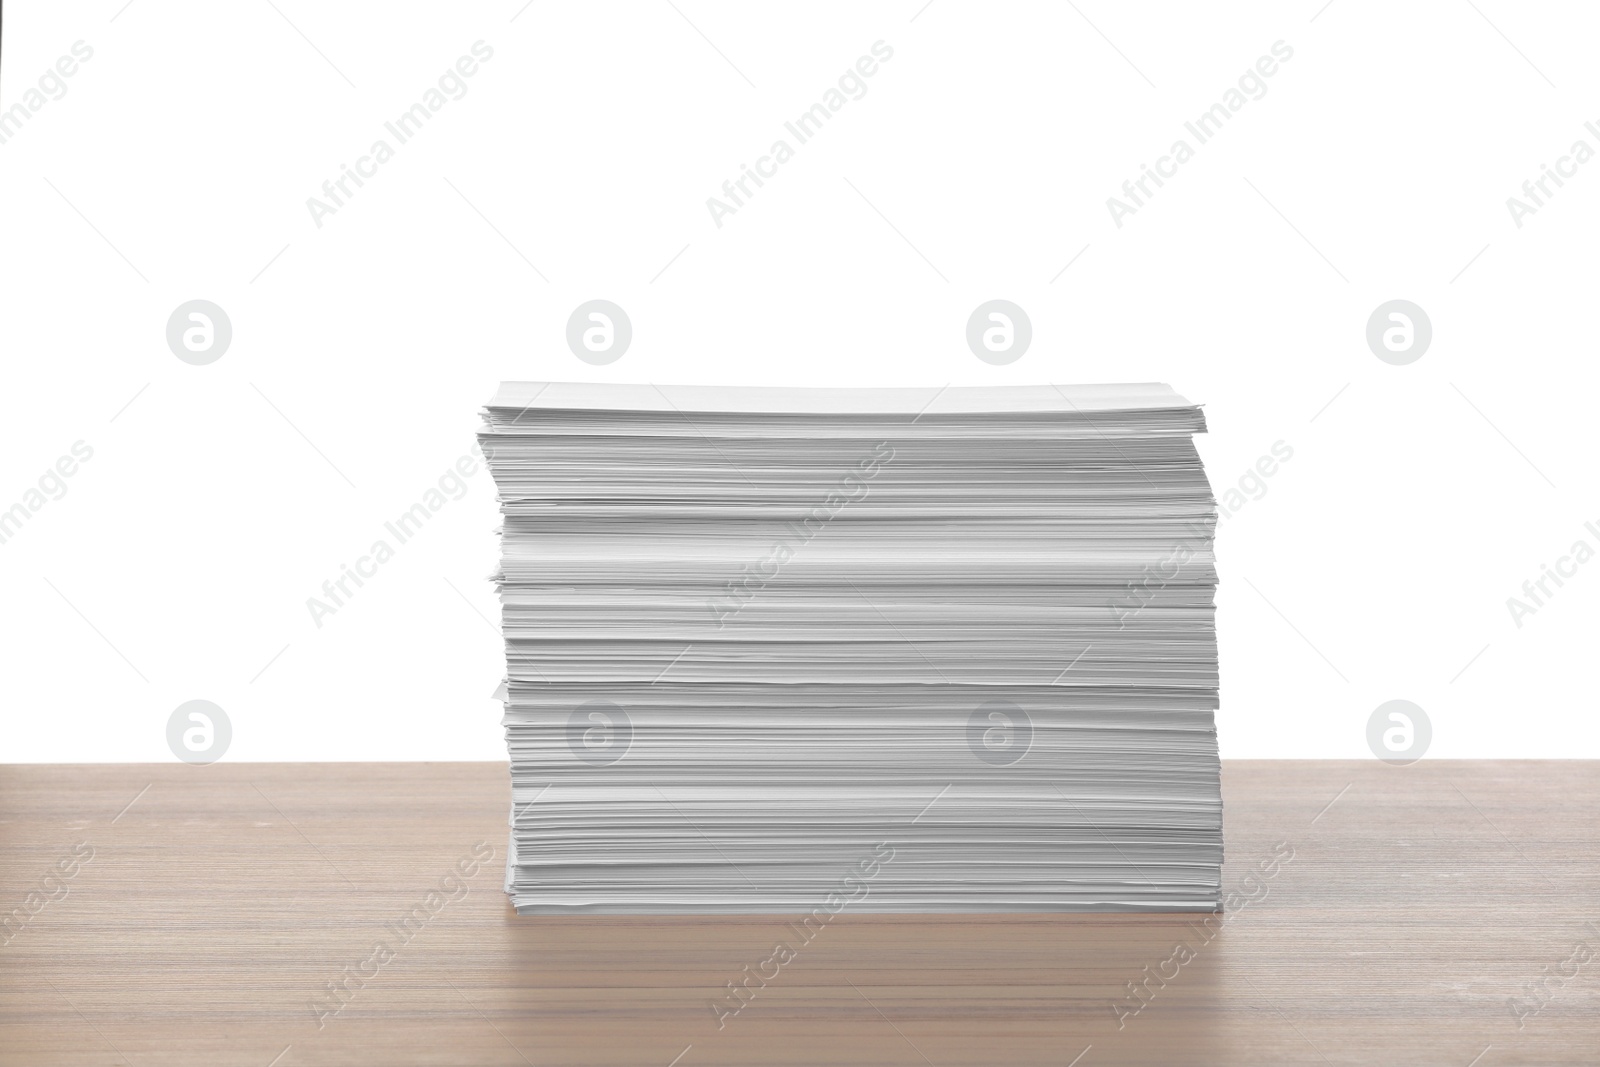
(197, 915)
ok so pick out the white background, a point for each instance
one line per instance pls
(219, 498)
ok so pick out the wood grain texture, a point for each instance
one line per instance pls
(222, 900)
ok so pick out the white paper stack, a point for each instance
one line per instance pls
(775, 650)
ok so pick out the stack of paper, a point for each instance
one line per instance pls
(772, 650)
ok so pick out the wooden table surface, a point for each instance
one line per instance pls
(1442, 913)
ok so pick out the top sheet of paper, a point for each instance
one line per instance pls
(911, 401)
